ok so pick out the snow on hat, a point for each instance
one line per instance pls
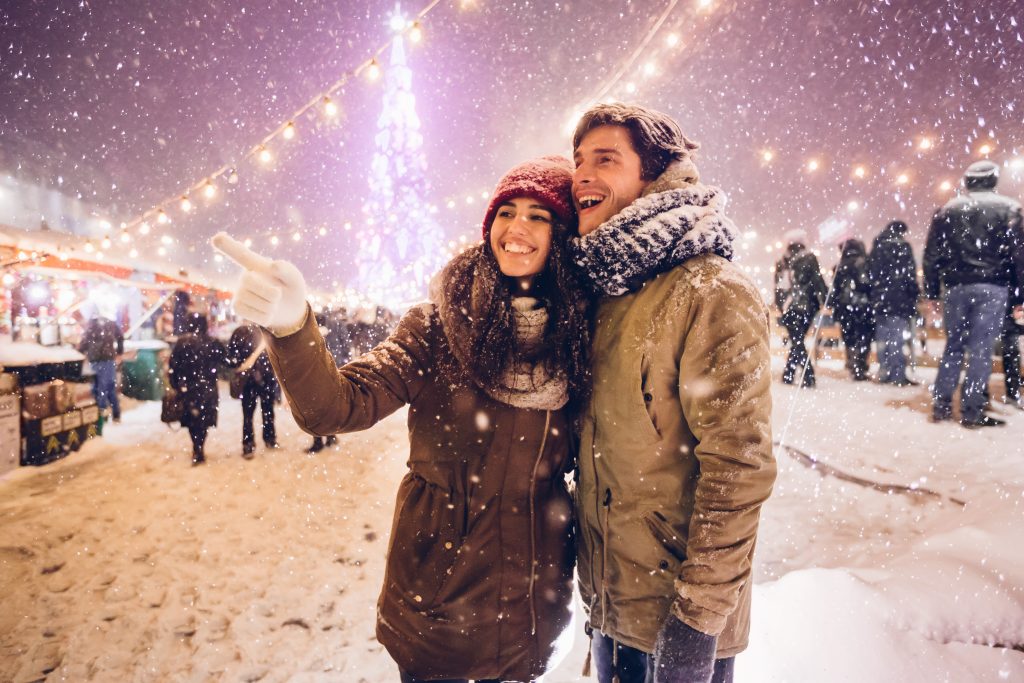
(795, 235)
(982, 169)
(547, 179)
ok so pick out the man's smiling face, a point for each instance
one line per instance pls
(607, 178)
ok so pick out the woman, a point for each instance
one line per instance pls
(478, 582)
(851, 306)
(193, 373)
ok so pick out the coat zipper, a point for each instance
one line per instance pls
(533, 523)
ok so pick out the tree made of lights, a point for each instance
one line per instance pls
(400, 245)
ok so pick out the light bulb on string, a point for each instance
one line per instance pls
(144, 228)
(767, 156)
(289, 131)
(125, 237)
(296, 236)
(373, 70)
(186, 203)
(859, 171)
(209, 190)
(813, 165)
(264, 155)
(232, 177)
(274, 240)
(162, 218)
(672, 40)
(416, 32)
(105, 243)
(924, 144)
(330, 108)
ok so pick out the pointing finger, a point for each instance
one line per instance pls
(239, 253)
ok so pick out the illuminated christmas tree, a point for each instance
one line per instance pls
(400, 245)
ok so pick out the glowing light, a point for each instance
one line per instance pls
(186, 204)
(767, 156)
(105, 243)
(162, 251)
(330, 108)
(125, 237)
(144, 228)
(162, 218)
(209, 190)
(924, 144)
(264, 155)
(134, 253)
(322, 231)
(813, 165)
(860, 171)
(450, 204)
(289, 131)
(247, 242)
(985, 149)
(631, 87)
(902, 179)
(89, 248)
(296, 236)
(274, 240)
(704, 4)
(946, 186)
(650, 69)
(373, 70)
(1016, 164)
(852, 206)
(232, 177)
(416, 33)
(346, 227)
(166, 239)
(672, 40)
(397, 22)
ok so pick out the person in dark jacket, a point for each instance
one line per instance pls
(101, 344)
(894, 291)
(973, 255)
(193, 373)
(1010, 341)
(478, 582)
(801, 301)
(260, 385)
(851, 306)
(335, 330)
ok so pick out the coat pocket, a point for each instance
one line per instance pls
(665, 534)
(425, 541)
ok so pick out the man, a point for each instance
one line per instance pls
(248, 354)
(801, 302)
(103, 343)
(975, 253)
(894, 291)
(1012, 324)
(675, 452)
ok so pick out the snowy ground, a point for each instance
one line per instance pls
(122, 563)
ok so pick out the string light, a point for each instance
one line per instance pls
(860, 171)
(416, 32)
(162, 217)
(330, 108)
(853, 205)
(373, 70)
(264, 155)
(946, 186)
(902, 179)
(166, 239)
(186, 203)
(289, 131)
(209, 190)
(813, 165)
(105, 243)
(144, 228)
(232, 177)
(925, 144)
(672, 40)
(125, 237)
(296, 236)
(767, 156)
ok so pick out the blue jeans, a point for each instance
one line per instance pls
(889, 330)
(104, 386)
(612, 659)
(973, 318)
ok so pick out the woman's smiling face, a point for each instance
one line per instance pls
(521, 237)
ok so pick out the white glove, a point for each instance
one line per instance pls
(270, 293)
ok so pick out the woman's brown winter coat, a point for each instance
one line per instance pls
(484, 501)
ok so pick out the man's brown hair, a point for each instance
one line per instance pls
(656, 137)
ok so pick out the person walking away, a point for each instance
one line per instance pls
(102, 344)
(1013, 324)
(247, 353)
(478, 581)
(801, 304)
(334, 329)
(194, 361)
(675, 443)
(894, 293)
(973, 254)
(851, 306)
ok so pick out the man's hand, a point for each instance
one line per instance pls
(683, 654)
(270, 293)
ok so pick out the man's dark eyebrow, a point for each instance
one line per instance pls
(531, 206)
(607, 150)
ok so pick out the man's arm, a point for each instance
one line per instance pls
(725, 392)
(935, 255)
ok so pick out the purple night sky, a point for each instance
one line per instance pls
(130, 102)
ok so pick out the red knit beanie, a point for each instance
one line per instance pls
(547, 179)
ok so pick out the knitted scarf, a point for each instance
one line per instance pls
(652, 235)
(524, 382)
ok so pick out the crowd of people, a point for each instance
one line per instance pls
(973, 267)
